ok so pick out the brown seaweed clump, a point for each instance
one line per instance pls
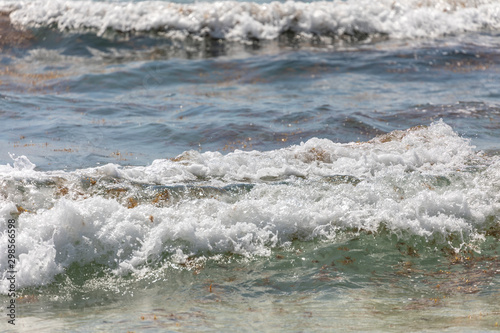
(10, 36)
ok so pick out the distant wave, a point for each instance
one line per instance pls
(358, 19)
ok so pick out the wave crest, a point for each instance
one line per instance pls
(237, 21)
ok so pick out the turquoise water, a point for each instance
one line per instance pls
(251, 166)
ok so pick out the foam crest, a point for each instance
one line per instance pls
(436, 148)
(423, 182)
(231, 20)
(21, 165)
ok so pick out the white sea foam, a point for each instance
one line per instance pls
(427, 182)
(241, 20)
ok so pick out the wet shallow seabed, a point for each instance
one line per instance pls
(368, 282)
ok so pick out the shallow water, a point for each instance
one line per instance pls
(251, 166)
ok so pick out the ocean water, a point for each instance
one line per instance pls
(250, 166)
